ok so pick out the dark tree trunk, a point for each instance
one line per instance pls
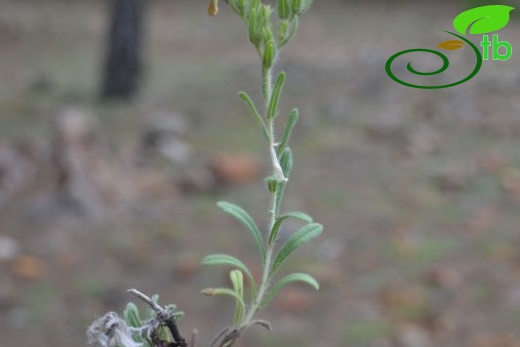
(122, 68)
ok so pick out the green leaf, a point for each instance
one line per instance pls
(294, 277)
(131, 315)
(293, 118)
(240, 214)
(228, 260)
(276, 227)
(254, 112)
(237, 279)
(132, 319)
(223, 291)
(286, 162)
(272, 110)
(280, 190)
(483, 19)
(302, 236)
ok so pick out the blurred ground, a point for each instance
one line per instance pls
(419, 191)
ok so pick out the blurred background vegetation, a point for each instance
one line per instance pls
(419, 191)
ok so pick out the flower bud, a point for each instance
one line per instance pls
(284, 10)
(269, 55)
(255, 34)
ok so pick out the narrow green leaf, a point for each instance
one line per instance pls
(483, 19)
(227, 260)
(286, 162)
(276, 227)
(302, 236)
(294, 277)
(244, 217)
(279, 192)
(254, 112)
(272, 110)
(226, 291)
(237, 279)
(132, 319)
(293, 118)
(222, 291)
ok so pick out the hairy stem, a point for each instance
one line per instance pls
(265, 281)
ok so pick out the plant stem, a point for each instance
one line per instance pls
(265, 282)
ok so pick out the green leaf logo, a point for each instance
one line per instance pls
(482, 20)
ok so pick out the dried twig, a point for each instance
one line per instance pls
(165, 318)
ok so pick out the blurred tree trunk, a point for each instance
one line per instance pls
(123, 66)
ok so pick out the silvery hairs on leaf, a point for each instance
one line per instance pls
(110, 331)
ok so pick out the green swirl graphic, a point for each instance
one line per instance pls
(445, 64)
